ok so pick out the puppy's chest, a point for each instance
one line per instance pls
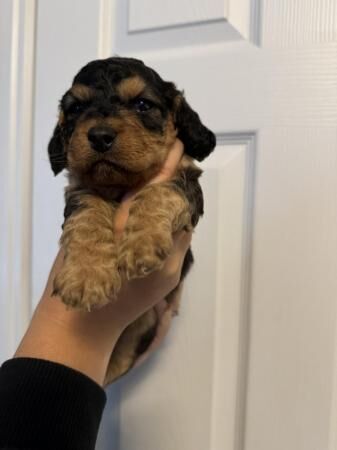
(185, 180)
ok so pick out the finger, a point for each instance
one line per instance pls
(175, 298)
(171, 164)
(162, 330)
(160, 308)
(174, 263)
(181, 242)
(166, 172)
(121, 217)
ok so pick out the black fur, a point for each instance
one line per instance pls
(187, 183)
(198, 140)
(187, 264)
(146, 340)
(56, 151)
(104, 75)
(73, 202)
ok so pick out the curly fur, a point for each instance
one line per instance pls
(116, 125)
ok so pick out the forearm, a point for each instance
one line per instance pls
(77, 339)
(54, 337)
(55, 378)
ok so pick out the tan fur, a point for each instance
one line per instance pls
(82, 92)
(95, 262)
(157, 212)
(187, 162)
(137, 151)
(89, 276)
(131, 87)
(124, 354)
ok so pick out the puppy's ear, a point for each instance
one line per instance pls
(56, 151)
(198, 140)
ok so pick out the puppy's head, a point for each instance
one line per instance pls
(118, 121)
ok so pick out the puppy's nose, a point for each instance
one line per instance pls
(101, 138)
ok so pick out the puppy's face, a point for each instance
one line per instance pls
(117, 123)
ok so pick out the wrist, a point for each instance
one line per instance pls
(80, 340)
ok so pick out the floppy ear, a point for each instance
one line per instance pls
(198, 140)
(56, 152)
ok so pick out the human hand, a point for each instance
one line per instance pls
(84, 341)
(165, 311)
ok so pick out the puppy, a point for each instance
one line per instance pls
(116, 125)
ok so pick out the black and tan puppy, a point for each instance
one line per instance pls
(116, 125)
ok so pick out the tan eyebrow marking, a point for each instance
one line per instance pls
(130, 87)
(82, 92)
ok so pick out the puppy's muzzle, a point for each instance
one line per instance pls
(101, 138)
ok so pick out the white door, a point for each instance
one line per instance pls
(251, 362)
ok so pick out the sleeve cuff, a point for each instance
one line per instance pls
(47, 405)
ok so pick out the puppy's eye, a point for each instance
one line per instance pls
(72, 105)
(142, 105)
(74, 108)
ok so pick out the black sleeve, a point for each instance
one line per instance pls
(45, 405)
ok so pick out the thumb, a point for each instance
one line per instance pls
(166, 172)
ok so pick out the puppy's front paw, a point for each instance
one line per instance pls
(87, 287)
(143, 253)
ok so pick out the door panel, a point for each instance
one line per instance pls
(169, 14)
(270, 324)
(208, 341)
(56, 65)
(250, 362)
